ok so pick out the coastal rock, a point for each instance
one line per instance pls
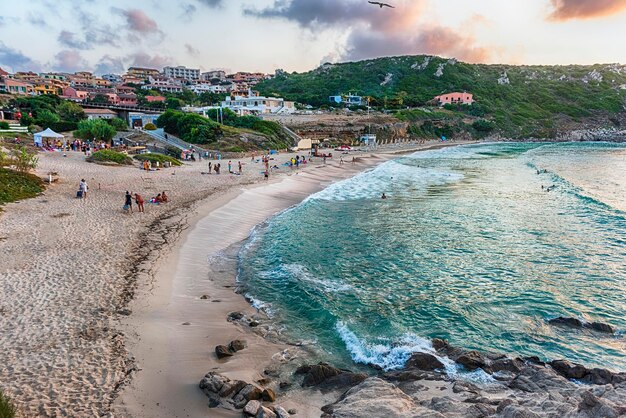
(292, 412)
(424, 361)
(252, 408)
(569, 370)
(375, 398)
(221, 351)
(577, 323)
(212, 383)
(268, 395)
(236, 345)
(594, 407)
(280, 412)
(235, 316)
(230, 388)
(214, 402)
(471, 360)
(516, 411)
(265, 413)
(204, 297)
(507, 365)
(246, 394)
(439, 344)
(323, 373)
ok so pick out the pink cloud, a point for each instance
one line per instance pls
(585, 9)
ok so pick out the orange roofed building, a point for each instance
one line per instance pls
(455, 98)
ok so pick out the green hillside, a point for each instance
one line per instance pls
(519, 100)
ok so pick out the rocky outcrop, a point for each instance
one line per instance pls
(595, 376)
(376, 398)
(223, 351)
(325, 376)
(235, 393)
(577, 323)
(424, 361)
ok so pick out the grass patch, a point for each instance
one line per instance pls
(161, 158)
(16, 186)
(7, 409)
(109, 156)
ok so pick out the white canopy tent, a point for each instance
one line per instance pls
(48, 133)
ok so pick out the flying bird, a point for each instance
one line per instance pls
(381, 5)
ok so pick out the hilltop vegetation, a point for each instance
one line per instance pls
(236, 134)
(519, 101)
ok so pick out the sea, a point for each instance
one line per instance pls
(479, 244)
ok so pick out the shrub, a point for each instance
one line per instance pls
(118, 124)
(97, 129)
(7, 409)
(110, 156)
(153, 158)
(17, 186)
(46, 117)
(150, 126)
(484, 125)
(4, 125)
(24, 160)
(70, 111)
(64, 126)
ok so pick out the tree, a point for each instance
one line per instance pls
(119, 124)
(100, 99)
(70, 111)
(46, 118)
(173, 103)
(96, 129)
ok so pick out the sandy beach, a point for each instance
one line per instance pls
(71, 341)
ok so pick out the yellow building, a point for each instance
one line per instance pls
(42, 89)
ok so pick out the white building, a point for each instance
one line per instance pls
(112, 78)
(257, 105)
(211, 88)
(185, 73)
(170, 88)
(211, 75)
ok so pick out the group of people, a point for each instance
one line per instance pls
(86, 147)
(139, 201)
(297, 161)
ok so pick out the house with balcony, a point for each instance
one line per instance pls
(455, 99)
(18, 87)
(253, 104)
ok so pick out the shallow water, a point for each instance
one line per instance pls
(468, 247)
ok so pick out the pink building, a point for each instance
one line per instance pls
(455, 98)
(75, 94)
(155, 99)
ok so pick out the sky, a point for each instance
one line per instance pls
(299, 35)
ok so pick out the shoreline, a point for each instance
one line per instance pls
(180, 280)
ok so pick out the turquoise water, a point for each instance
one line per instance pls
(468, 247)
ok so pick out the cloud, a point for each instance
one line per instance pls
(69, 61)
(188, 11)
(69, 39)
(2, 21)
(141, 59)
(138, 21)
(37, 20)
(372, 32)
(585, 9)
(212, 3)
(110, 65)
(191, 50)
(16, 60)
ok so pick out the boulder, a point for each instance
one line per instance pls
(592, 406)
(424, 361)
(252, 408)
(507, 364)
(204, 297)
(235, 316)
(268, 395)
(566, 321)
(569, 370)
(265, 413)
(214, 402)
(236, 345)
(280, 412)
(247, 393)
(516, 411)
(471, 360)
(232, 388)
(221, 351)
(329, 376)
(213, 382)
(599, 326)
(439, 344)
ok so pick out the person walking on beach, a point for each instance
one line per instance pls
(324, 159)
(209, 167)
(341, 160)
(82, 187)
(230, 167)
(240, 167)
(128, 203)
(139, 201)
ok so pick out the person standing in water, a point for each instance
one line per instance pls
(384, 196)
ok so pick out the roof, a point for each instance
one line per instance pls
(2, 72)
(99, 111)
(48, 133)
